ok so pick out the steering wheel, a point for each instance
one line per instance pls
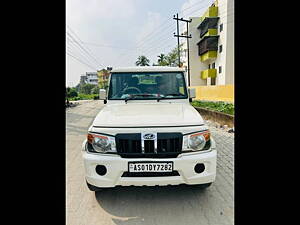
(130, 89)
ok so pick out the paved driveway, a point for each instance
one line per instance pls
(144, 205)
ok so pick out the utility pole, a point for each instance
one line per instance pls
(176, 18)
(184, 36)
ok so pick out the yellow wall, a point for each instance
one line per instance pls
(215, 93)
(208, 55)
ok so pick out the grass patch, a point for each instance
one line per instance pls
(223, 107)
(83, 97)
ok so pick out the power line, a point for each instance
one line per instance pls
(83, 48)
(160, 43)
(81, 52)
(81, 61)
(70, 51)
(192, 6)
(151, 42)
(152, 49)
(168, 21)
(158, 40)
(88, 52)
(81, 42)
(164, 23)
(107, 46)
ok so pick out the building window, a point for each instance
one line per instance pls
(209, 43)
(220, 48)
(213, 66)
(208, 23)
(208, 66)
(213, 81)
(220, 69)
(221, 27)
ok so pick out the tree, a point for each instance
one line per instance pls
(71, 92)
(86, 88)
(172, 57)
(162, 60)
(142, 61)
(95, 90)
(77, 87)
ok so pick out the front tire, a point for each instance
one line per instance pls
(203, 186)
(93, 188)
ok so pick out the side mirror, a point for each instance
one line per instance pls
(192, 92)
(102, 95)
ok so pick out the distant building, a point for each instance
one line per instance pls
(211, 52)
(82, 79)
(91, 78)
(103, 76)
(212, 46)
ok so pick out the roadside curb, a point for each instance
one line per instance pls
(219, 117)
(71, 105)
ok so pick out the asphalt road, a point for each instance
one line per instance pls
(144, 205)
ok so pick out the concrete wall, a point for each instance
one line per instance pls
(230, 43)
(215, 93)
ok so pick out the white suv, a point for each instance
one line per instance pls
(148, 133)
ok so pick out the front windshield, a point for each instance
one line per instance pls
(147, 85)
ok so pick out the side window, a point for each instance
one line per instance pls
(220, 69)
(180, 86)
(221, 27)
(220, 48)
(213, 65)
(213, 81)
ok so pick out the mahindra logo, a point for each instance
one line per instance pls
(149, 136)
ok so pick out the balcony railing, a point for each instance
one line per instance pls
(208, 55)
(209, 20)
(207, 24)
(208, 73)
(211, 32)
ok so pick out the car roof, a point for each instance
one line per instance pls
(148, 69)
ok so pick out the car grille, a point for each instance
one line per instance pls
(169, 145)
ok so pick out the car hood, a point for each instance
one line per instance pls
(140, 115)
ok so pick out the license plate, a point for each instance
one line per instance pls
(150, 166)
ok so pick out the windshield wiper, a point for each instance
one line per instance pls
(128, 98)
(159, 97)
(132, 96)
(165, 96)
(174, 94)
(143, 95)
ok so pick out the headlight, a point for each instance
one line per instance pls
(101, 143)
(197, 141)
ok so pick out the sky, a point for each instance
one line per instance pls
(113, 33)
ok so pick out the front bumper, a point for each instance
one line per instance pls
(116, 166)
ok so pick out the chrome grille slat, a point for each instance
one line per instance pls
(167, 145)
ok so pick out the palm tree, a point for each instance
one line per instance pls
(162, 60)
(142, 61)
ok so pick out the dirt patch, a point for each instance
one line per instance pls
(219, 117)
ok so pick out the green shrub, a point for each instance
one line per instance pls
(87, 88)
(224, 107)
(95, 90)
(84, 97)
